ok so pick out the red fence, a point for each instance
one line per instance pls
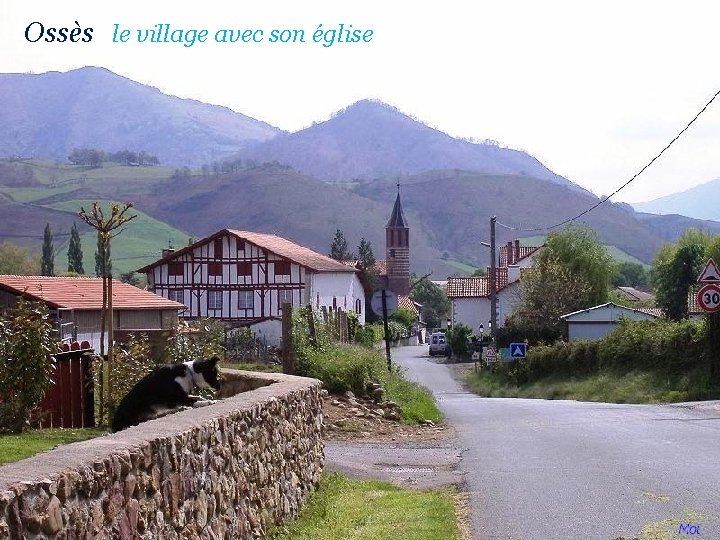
(68, 401)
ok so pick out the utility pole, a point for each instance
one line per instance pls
(493, 281)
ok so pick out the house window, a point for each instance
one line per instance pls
(215, 269)
(285, 296)
(218, 248)
(392, 253)
(358, 306)
(176, 295)
(282, 268)
(244, 269)
(246, 299)
(175, 268)
(215, 299)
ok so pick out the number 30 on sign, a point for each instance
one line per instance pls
(709, 297)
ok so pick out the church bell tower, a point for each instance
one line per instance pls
(397, 250)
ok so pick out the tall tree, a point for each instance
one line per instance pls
(675, 270)
(366, 257)
(435, 303)
(571, 272)
(103, 263)
(339, 247)
(629, 274)
(47, 263)
(75, 254)
(366, 262)
(107, 228)
(18, 261)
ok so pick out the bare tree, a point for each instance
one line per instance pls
(107, 228)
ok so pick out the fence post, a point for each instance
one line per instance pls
(288, 354)
(311, 325)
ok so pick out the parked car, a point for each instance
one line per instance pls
(438, 344)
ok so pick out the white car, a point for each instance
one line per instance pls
(438, 344)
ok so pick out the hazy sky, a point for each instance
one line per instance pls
(591, 89)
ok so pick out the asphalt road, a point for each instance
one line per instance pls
(538, 469)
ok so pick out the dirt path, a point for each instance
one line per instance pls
(361, 442)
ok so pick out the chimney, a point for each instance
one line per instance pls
(516, 258)
(167, 251)
(509, 255)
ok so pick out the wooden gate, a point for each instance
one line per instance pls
(68, 401)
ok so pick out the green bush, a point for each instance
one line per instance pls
(667, 346)
(194, 340)
(458, 337)
(343, 367)
(369, 335)
(26, 367)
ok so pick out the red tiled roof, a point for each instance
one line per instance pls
(381, 267)
(275, 244)
(83, 293)
(404, 301)
(474, 287)
(467, 287)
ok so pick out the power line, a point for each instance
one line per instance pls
(601, 201)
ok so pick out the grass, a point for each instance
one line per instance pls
(609, 387)
(344, 367)
(16, 447)
(370, 510)
(459, 266)
(265, 368)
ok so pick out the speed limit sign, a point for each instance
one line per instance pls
(709, 297)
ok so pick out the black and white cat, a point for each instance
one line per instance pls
(165, 388)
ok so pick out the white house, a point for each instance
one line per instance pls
(470, 296)
(597, 322)
(244, 278)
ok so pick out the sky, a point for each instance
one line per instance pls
(594, 90)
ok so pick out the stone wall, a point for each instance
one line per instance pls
(229, 470)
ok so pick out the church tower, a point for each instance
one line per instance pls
(397, 250)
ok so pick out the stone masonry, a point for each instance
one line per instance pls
(229, 470)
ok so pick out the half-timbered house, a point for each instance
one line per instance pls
(244, 278)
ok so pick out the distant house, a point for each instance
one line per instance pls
(243, 278)
(75, 304)
(598, 321)
(631, 294)
(470, 296)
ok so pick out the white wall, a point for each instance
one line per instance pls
(269, 331)
(471, 312)
(598, 323)
(344, 287)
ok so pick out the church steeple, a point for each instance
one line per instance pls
(397, 218)
(397, 250)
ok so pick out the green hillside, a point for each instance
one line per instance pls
(140, 243)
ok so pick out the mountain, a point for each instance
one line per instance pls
(456, 206)
(280, 201)
(49, 114)
(699, 202)
(448, 211)
(371, 139)
(670, 227)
